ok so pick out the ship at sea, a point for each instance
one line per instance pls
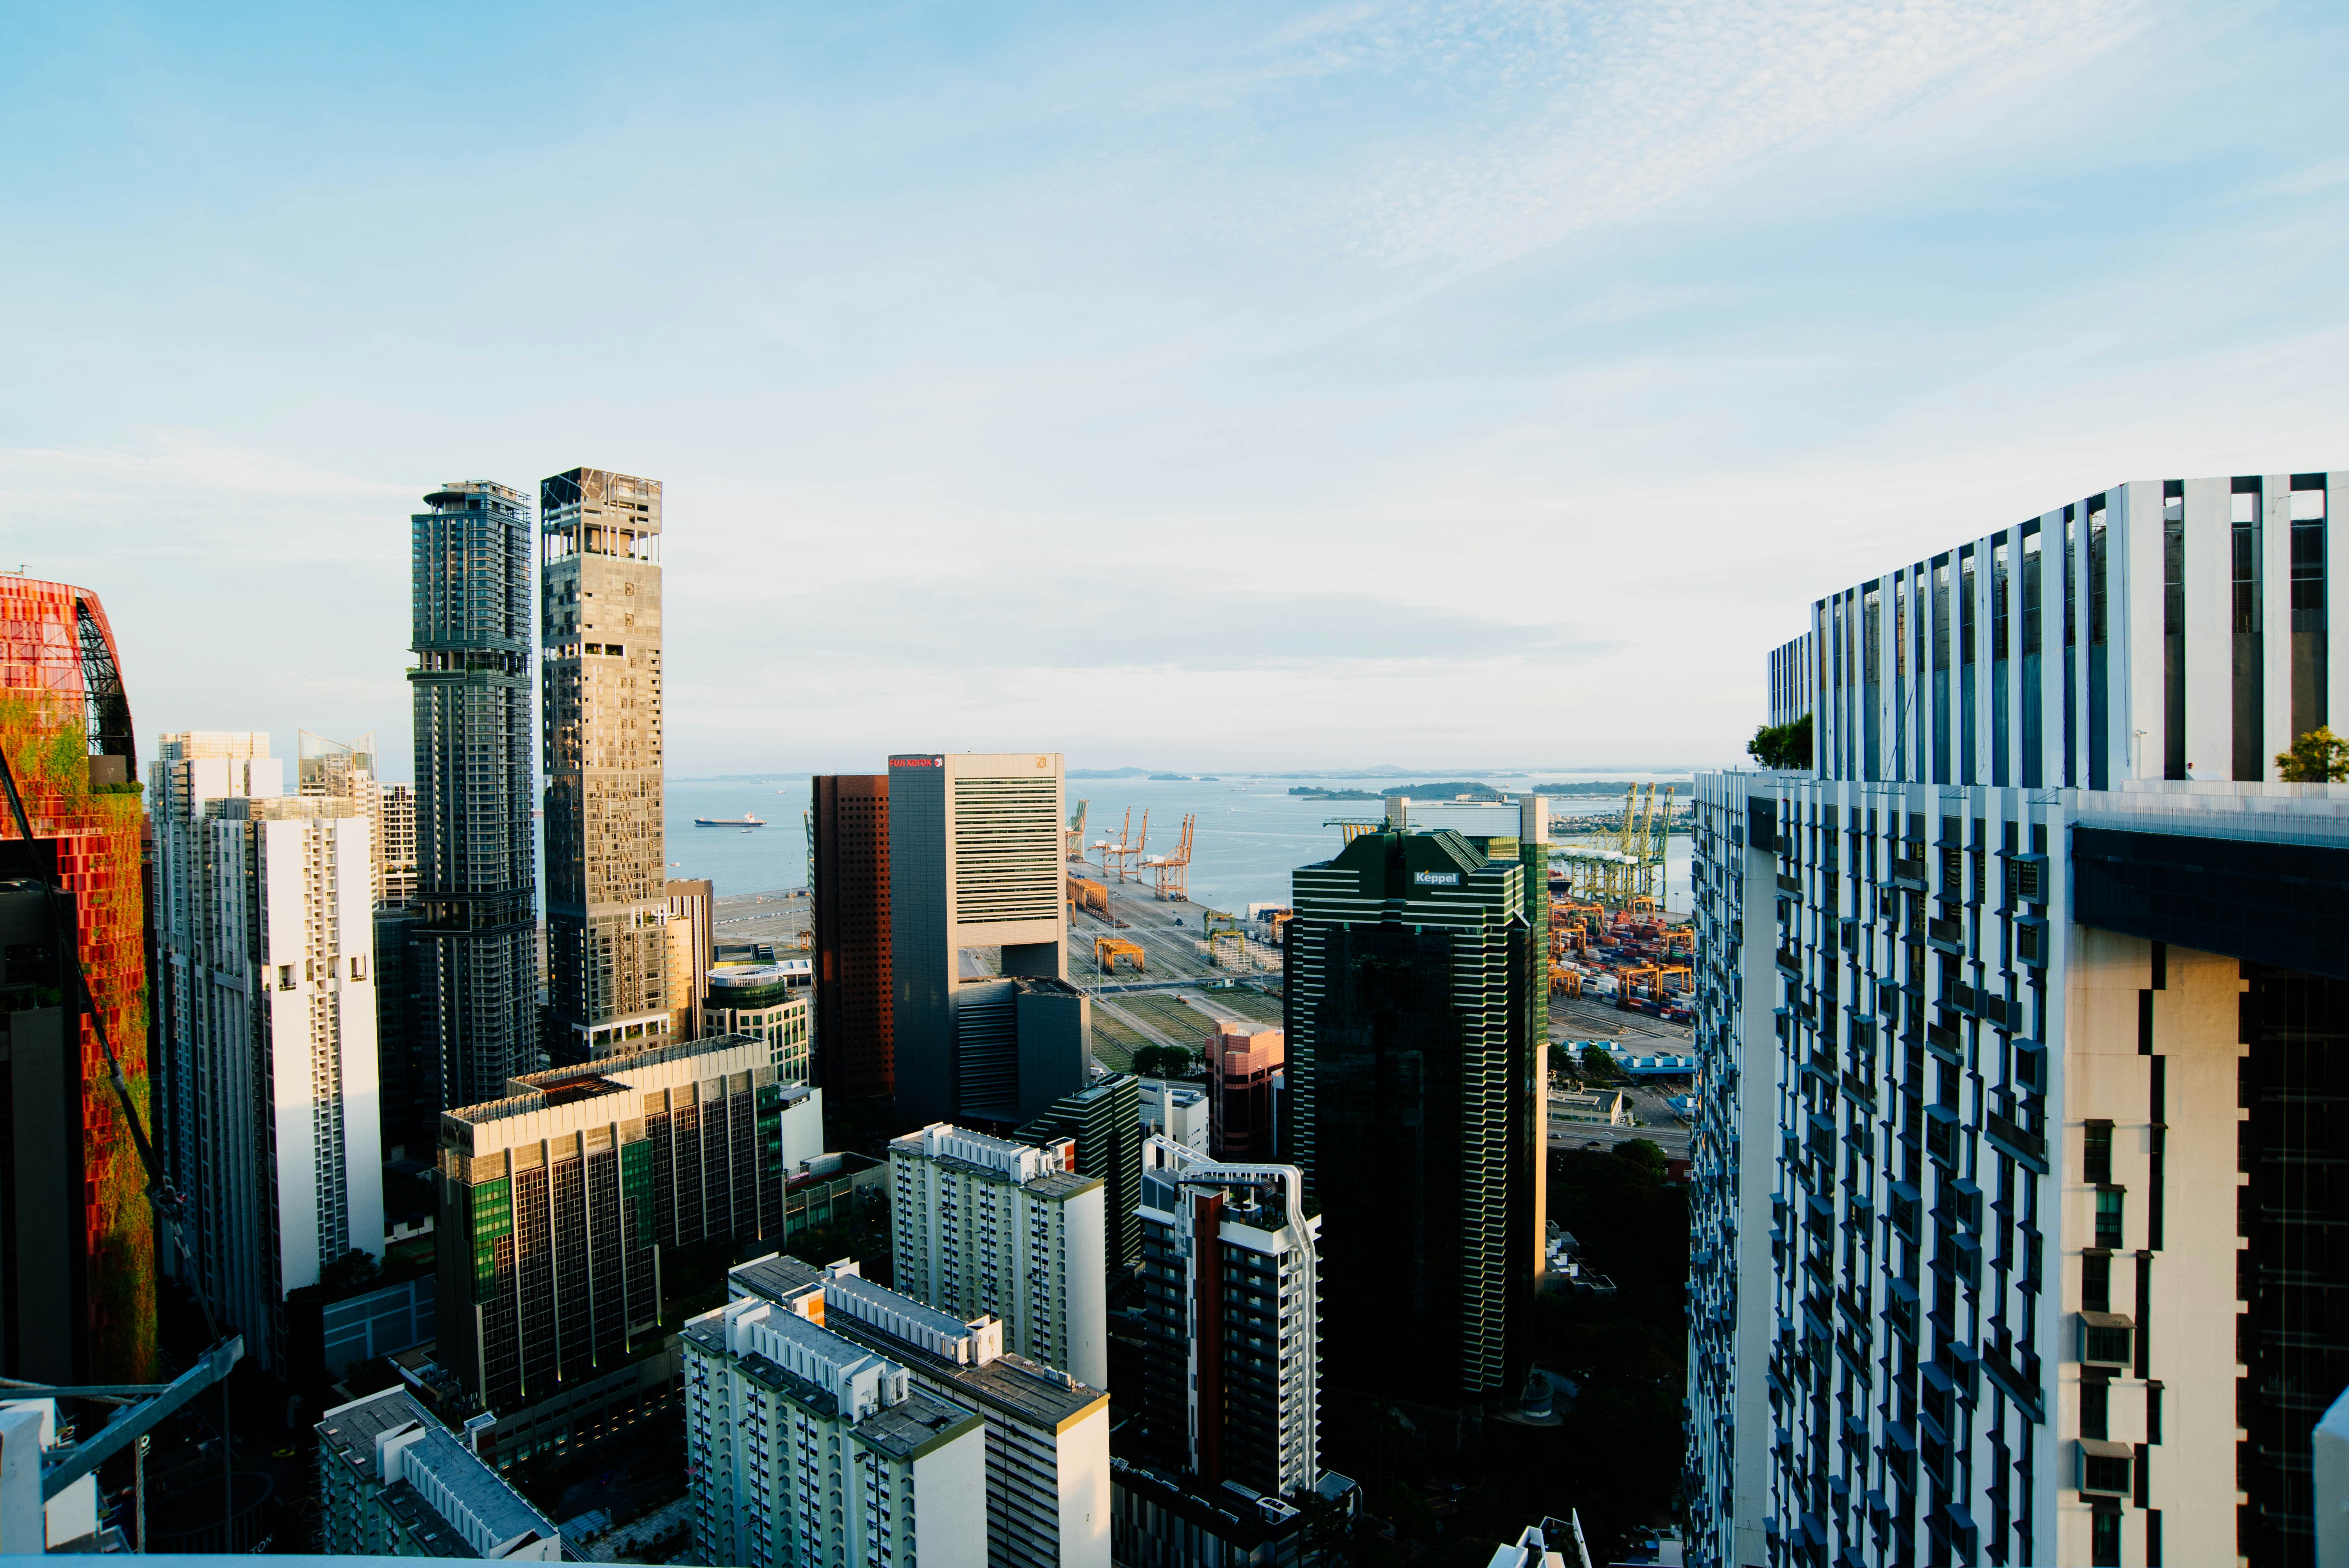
(744, 821)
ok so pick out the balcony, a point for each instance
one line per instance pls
(1946, 936)
(1909, 874)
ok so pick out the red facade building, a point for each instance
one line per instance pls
(855, 1031)
(78, 1279)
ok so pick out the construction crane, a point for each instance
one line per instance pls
(1125, 851)
(1108, 950)
(1073, 842)
(1352, 828)
(1625, 868)
(1173, 872)
(1102, 848)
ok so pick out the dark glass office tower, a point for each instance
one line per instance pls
(1412, 1075)
(474, 963)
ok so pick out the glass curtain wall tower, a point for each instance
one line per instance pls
(474, 961)
(606, 892)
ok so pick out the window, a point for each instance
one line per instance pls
(2106, 1339)
(2108, 1218)
(285, 976)
(2105, 1537)
(2095, 1409)
(2096, 1151)
(2096, 1282)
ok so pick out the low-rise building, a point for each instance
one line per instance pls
(1606, 1106)
(771, 1002)
(1047, 1496)
(1163, 1520)
(395, 1483)
(805, 1448)
(1172, 1109)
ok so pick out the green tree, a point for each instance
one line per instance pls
(1643, 1152)
(1163, 1061)
(1597, 1064)
(2320, 757)
(1782, 744)
(349, 1275)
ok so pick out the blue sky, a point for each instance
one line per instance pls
(1217, 385)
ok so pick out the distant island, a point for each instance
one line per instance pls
(1451, 790)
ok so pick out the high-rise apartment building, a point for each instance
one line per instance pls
(191, 770)
(806, 1448)
(265, 925)
(975, 864)
(395, 853)
(987, 1225)
(2016, 1081)
(1412, 1083)
(1047, 1464)
(608, 942)
(692, 942)
(1231, 1280)
(346, 770)
(472, 1020)
(848, 855)
(1105, 1120)
(556, 1198)
(394, 1482)
(77, 1278)
(1244, 1083)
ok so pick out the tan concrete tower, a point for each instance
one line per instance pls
(600, 669)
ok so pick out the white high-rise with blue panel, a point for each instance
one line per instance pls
(2023, 1040)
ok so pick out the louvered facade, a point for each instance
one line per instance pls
(1411, 1083)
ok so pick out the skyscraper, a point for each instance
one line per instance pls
(1232, 1290)
(265, 925)
(557, 1196)
(2020, 1084)
(473, 1019)
(1412, 1074)
(975, 864)
(607, 909)
(848, 851)
(983, 1225)
(77, 1283)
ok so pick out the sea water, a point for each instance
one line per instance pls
(1250, 833)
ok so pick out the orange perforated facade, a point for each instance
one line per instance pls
(66, 727)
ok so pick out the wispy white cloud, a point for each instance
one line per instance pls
(2305, 181)
(1563, 122)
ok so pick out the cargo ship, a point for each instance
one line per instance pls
(744, 821)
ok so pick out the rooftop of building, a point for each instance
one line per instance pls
(1231, 1513)
(781, 971)
(1027, 1391)
(904, 1431)
(350, 1432)
(993, 1158)
(557, 1087)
